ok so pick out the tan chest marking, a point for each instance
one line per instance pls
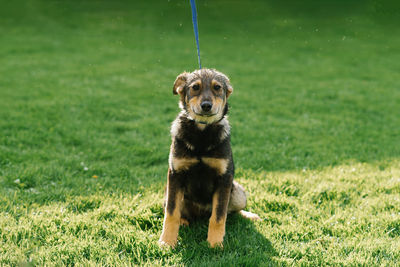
(216, 163)
(181, 164)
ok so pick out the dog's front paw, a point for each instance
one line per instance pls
(216, 233)
(215, 243)
(215, 239)
(167, 243)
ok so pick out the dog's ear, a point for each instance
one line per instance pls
(229, 88)
(180, 83)
(227, 82)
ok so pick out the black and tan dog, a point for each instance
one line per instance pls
(201, 170)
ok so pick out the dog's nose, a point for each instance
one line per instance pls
(206, 106)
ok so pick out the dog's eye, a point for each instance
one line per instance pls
(217, 87)
(196, 87)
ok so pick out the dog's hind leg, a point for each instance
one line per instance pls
(238, 201)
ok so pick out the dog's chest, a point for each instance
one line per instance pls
(205, 166)
(201, 179)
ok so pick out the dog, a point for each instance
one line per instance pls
(201, 169)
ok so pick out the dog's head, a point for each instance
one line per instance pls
(203, 94)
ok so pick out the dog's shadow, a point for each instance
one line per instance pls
(243, 245)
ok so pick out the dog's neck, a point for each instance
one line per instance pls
(190, 133)
(201, 126)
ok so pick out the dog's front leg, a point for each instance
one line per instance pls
(172, 214)
(216, 228)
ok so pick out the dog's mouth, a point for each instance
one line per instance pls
(204, 118)
(205, 114)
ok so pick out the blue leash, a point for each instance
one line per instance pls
(195, 29)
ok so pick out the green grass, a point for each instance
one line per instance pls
(86, 91)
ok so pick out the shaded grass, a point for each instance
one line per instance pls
(86, 104)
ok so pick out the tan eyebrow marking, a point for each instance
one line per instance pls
(198, 81)
(214, 82)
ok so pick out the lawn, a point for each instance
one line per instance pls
(85, 109)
